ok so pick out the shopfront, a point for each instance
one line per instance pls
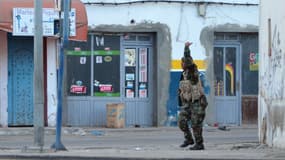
(110, 68)
(236, 78)
(17, 54)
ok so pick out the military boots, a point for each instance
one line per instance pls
(186, 143)
(197, 147)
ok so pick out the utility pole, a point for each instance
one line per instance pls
(38, 76)
(64, 41)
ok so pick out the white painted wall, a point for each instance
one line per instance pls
(272, 74)
(228, 1)
(3, 79)
(183, 20)
(51, 80)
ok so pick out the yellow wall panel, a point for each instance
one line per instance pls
(176, 64)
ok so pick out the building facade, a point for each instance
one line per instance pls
(272, 74)
(132, 56)
(17, 59)
(124, 32)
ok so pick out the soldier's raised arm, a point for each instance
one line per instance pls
(187, 51)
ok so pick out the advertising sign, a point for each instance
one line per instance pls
(23, 21)
(253, 61)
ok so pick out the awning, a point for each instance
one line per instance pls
(6, 13)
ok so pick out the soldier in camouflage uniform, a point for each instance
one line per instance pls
(193, 102)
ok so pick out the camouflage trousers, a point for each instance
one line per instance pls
(195, 114)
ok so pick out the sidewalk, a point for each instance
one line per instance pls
(136, 143)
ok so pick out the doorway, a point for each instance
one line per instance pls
(137, 81)
(227, 83)
(20, 81)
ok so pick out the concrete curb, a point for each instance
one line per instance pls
(96, 131)
(67, 157)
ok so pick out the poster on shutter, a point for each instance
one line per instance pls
(77, 72)
(130, 57)
(143, 56)
(253, 61)
(130, 93)
(130, 84)
(142, 93)
(143, 65)
(82, 60)
(78, 88)
(143, 75)
(99, 59)
(130, 77)
(105, 87)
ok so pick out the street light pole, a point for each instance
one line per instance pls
(64, 40)
(38, 96)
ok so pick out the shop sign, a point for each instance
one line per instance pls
(78, 89)
(105, 87)
(253, 61)
(23, 21)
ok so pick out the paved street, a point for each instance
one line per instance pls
(136, 143)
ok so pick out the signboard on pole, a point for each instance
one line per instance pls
(72, 22)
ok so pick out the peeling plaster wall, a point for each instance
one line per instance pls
(51, 81)
(272, 73)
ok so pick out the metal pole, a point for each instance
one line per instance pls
(65, 31)
(38, 76)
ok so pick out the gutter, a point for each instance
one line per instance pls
(169, 1)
